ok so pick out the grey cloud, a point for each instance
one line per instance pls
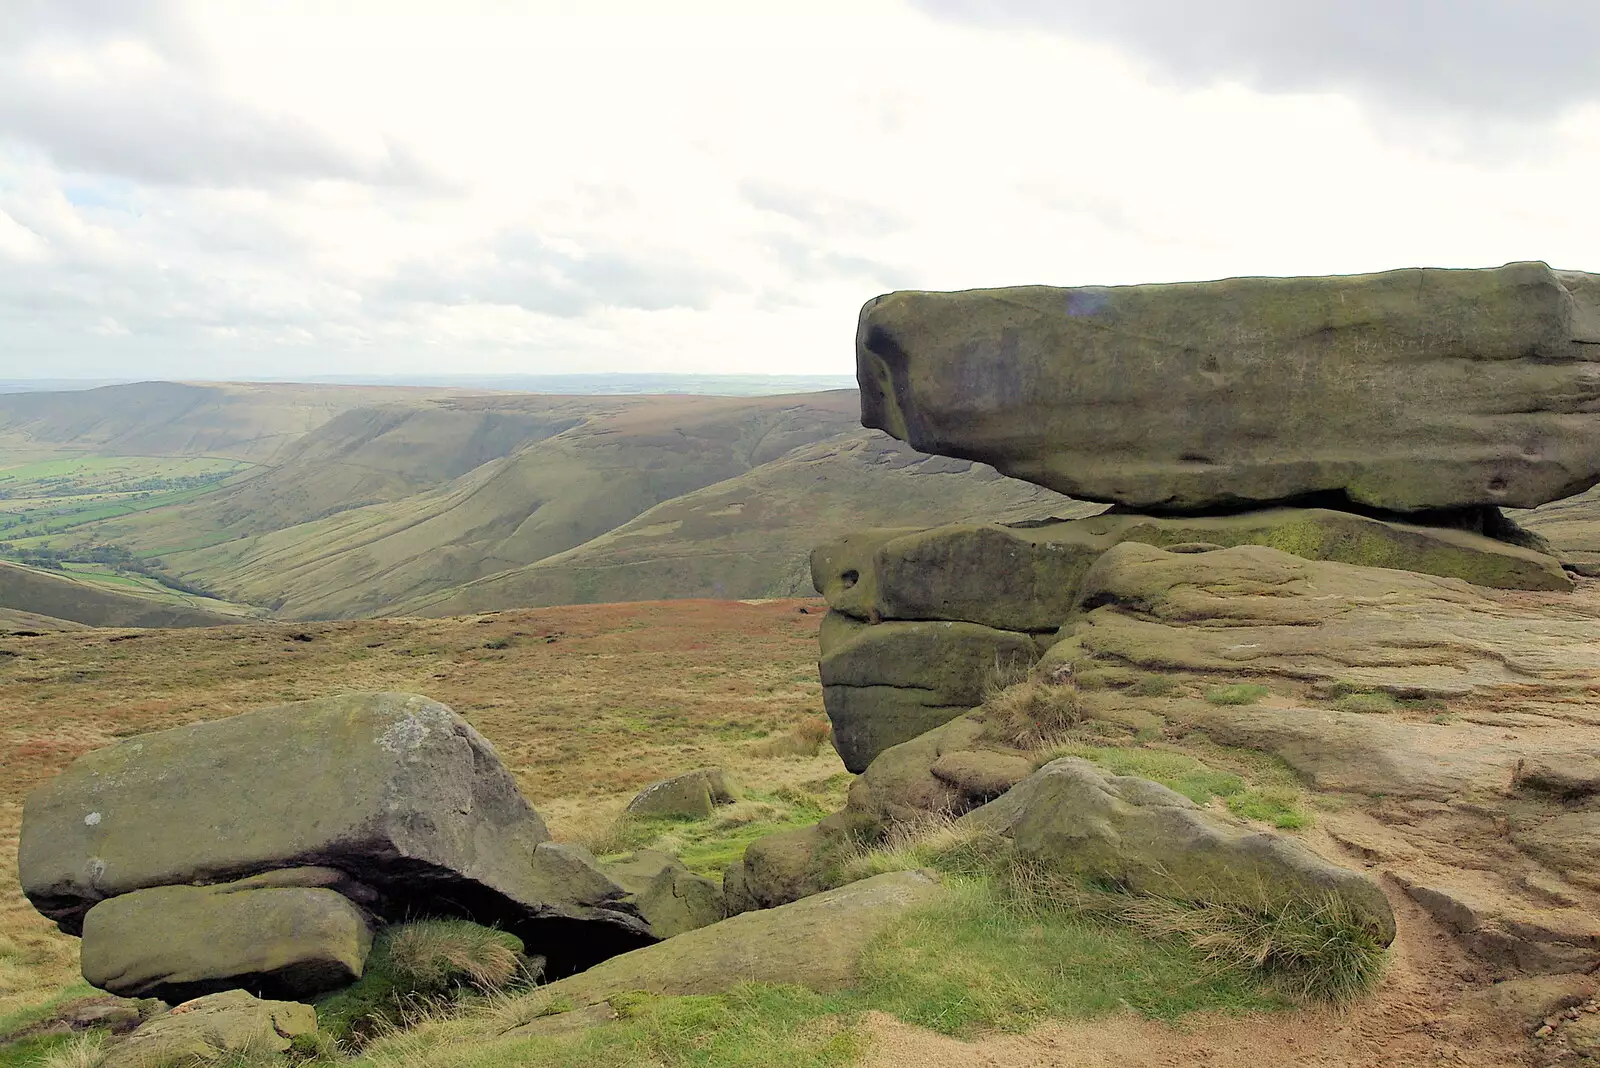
(528, 272)
(1502, 59)
(166, 127)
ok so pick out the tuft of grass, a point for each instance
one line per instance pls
(973, 962)
(497, 643)
(941, 844)
(431, 956)
(1276, 805)
(805, 738)
(86, 1050)
(1309, 950)
(1369, 701)
(1238, 693)
(416, 967)
(1032, 711)
(709, 846)
(1155, 685)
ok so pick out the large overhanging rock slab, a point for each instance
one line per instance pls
(1026, 577)
(395, 789)
(1407, 391)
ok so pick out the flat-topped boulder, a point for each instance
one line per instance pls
(1407, 391)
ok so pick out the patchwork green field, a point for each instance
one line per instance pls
(43, 498)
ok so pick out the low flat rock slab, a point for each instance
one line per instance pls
(180, 942)
(1407, 390)
(1026, 577)
(203, 1030)
(816, 943)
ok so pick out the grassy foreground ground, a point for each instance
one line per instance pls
(588, 703)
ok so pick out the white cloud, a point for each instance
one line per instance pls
(224, 188)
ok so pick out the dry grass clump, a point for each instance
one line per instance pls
(939, 842)
(1026, 709)
(805, 738)
(86, 1050)
(1312, 950)
(433, 955)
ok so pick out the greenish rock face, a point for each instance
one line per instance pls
(776, 870)
(1028, 578)
(395, 789)
(816, 943)
(668, 896)
(180, 942)
(886, 684)
(694, 794)
(1407, 390)
(230, 1022)
(1073, 817)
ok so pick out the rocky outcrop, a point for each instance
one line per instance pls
(694, 795)
(201, 1031)
(1456, 722)
(1072, 817)
(886, 684)
(922, 618)
(180, 942)
(258, 851)
(1406, 391)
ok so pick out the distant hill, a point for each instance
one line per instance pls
(33, 592)
(233, 420)
(751, 535)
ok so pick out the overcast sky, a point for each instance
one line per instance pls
(221, 189)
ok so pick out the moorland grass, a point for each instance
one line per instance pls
(1237, 693)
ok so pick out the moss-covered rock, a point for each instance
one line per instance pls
(667, 895)
(779, 868)
(694, 794)
(231, 1022)
(1072, 817)
(1407, 390)
(179, 942)
(888, 683)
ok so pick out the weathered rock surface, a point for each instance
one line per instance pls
(816, 943)
(1255, 609)
(1480, 806)
(665, 894)
(1406, 390)
(780, 868)
(694, 794)
(1026, 577)
(394, 787)
(200, 1030)
(946, 772)
(886, 684)
(1073, 817)
(179, 942)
